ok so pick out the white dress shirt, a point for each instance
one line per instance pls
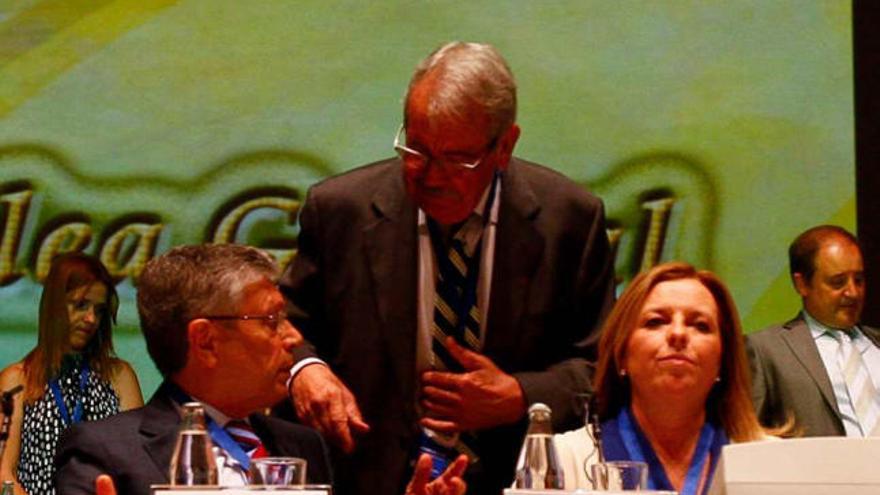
(229, 471)
(828, 343)
(474, 229)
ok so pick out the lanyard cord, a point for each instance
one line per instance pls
(58, 395)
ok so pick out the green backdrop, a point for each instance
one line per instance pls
(715, 131)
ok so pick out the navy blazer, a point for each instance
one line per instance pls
(135, 448)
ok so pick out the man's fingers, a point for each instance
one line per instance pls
(441, 425)
(342, 433)
(355, 420)
(358, 425)
(420, 477)
(457, 487)
(441, 396)
(441, 380)
(469, 360)
(452, 481)
(323, 402)
(104, 485)
(304, 416)
(438, 411)
(337, 416)
(457, 468)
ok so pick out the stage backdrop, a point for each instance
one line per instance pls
(714, 131)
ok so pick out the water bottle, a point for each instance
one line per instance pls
(538, 465)
(8, 488)
(193, 461)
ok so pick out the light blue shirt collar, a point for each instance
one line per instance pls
(818, 329)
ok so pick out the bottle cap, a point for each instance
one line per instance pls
(539, 407)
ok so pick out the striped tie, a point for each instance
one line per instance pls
(244, 436)
(861, 389)
(455, 289)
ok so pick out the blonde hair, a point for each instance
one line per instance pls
(729, 403)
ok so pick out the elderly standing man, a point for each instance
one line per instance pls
(443, 291)
(822, 368)
(215, 326)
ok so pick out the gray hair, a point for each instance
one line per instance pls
(468, 74)
(192, 281)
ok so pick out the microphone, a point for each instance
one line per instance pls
(591, 421)
(7, 404)
(595, 428)
(6, 399)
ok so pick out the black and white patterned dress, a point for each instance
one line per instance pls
(42, 425)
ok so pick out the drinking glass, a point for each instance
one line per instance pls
(620, 476)
(283, 471)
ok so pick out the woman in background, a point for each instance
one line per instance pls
(672, 382)
(71, 375)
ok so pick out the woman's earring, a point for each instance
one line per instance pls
(622, 371)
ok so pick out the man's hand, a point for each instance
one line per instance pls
(104, 485)
(481, 397)
(448, 483)
(323, 402)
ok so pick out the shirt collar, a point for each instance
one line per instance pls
(215, 414)
(472, 230)
(818, 329)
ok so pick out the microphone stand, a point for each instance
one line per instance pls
(7, 405)
(596, 432)
(592, 423)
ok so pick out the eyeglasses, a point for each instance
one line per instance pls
(271, 321)
(410, 155)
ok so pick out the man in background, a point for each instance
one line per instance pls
(443, 291)
(822, 368)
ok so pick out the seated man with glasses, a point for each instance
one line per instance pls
(215, 327)
(443, 291)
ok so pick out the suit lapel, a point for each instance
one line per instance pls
(270, 442)
(799, 339)
(518, 249)
(159, 430)
(391, 245)
(872, 333)
(391, 249)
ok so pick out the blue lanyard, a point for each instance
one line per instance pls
(223, 440)
(55, 387)
(639, 449)
(219, 435)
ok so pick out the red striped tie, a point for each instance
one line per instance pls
(244, 436)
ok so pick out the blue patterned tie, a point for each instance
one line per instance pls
(455, 290)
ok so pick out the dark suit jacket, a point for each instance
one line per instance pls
(135, 448)
(353, 294)
(789, 378)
